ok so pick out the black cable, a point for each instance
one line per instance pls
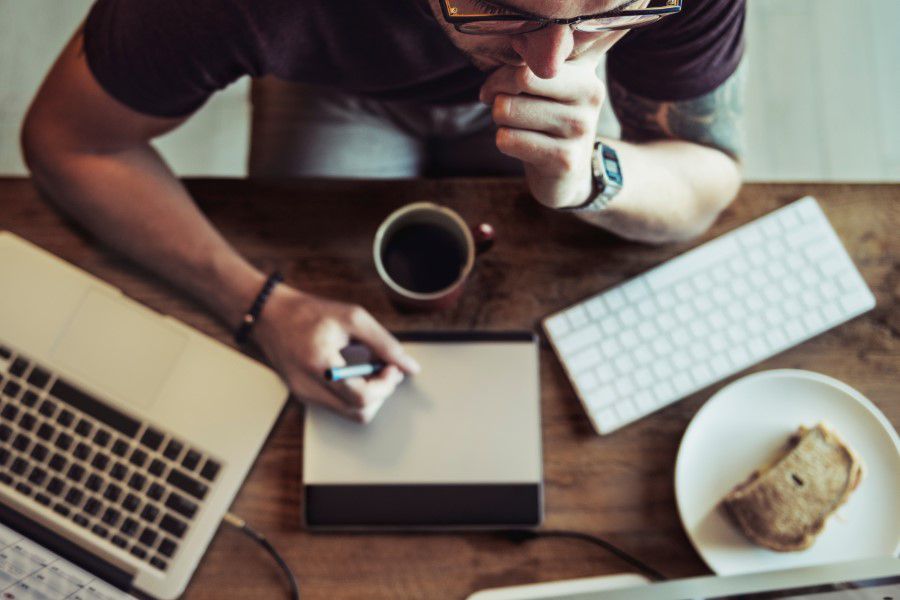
(260, 539)
(523, 535)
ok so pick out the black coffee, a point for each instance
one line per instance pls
(423, 258)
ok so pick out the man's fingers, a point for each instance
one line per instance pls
(536, 114)
(572, 84)
(364, 392)
(547, 154)
(310, 390)
(366, 329)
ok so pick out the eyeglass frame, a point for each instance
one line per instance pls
(672, 7)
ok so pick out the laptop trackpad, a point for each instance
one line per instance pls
(119, 347)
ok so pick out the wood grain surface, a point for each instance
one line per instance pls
(319, 234)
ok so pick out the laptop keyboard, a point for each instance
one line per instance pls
(121, 479)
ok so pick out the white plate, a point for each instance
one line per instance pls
(743, 426)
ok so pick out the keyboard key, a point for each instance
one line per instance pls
(19, 466)
(173, 449)
(170, 524)
(5, 353)
(129, 527)
(137, 482)
(65, 417)
(29, 399)
(5, 455)
(21, 442)
(191, 460)
(5, 432)
(158, 563)
(74, 496)
(81, 520)
(120, 447)
(56, 486)
(45, 431)
(138, 457)
(76, 473)
(187, 484)
(110, 516)
(139, 552)
(181, 505)
(84, 428)
(119, 541)
(100, 461)
(37, 476)
(82, 451)
(118, 471)
(157, 467)
(62, 509)
(86, 403)
(9, 412)
(152, 438)
(112, 492)
(167, 548)
(94, 482)
(42, 499)
(93, 506)
(27, 421)
(19, 366)
(148, 537)
(48, 407)
(38, 377)
(5, 478)
(149, 513)
(11, 389)
(39, 452)
(100, 530)
(64, 441)
(24, 488)
(155, 491)
(101, 438)
(131, 503)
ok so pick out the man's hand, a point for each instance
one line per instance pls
(550, 125)
(303, 335)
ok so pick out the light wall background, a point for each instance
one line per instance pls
(823, 85)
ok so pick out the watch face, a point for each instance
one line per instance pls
(611, 165)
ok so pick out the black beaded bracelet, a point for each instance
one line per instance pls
(252, 315)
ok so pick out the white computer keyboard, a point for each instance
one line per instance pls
(707, 314)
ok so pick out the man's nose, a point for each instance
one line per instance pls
(545, 50)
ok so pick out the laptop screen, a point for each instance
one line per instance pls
(870, 589)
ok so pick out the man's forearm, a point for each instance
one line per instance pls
(673, 190)
(131, 201)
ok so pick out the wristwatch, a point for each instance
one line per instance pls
(607, 176)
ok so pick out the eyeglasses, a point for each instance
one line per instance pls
(479, 17)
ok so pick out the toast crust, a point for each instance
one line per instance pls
(783, 506)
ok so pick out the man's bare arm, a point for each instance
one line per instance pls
(680, 161)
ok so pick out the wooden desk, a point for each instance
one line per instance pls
(621, 487)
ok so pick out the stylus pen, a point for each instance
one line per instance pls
(360, 370)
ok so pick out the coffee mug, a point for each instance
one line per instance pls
(424, 253)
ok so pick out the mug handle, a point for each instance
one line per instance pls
(483, 235)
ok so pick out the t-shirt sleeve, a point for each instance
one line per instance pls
(682, 56)
(167, 57)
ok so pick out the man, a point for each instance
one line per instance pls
(436, 82)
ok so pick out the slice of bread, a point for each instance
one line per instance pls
(784, 505)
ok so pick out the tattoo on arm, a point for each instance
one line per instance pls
(712, 120)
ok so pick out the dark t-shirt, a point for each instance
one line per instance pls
(166, 57)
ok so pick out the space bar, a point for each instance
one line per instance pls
(90, 405)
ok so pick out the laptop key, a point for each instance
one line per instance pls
(37, 476)
(129, 527)
(191, 460)
(119, 541)
(131, 503)
(65, 417)
(148, 537)
(42, 499)
(21, 442)
(38, 377)
(152, 438)
(86, 403)
(9, 412)
(24, 488)
(48, 407)
(39, 452)
(138, 457)
(5, 353)
(5, 432)
(62, 509)
(5, 478)
(173, 449)
(19, 466)
(80, 520)
(19, 366)
(120, 447)
(118, 471)
(11, 388)
(84, 428)
(157, 467)
(188, 484)
(100, 462)
(99, 530)
(167, 548)
(210, 470)
(74, 496)
(82, 451)
(110, 516)
(170, 524)
(137, 482)
(64, 441)
(76, 473)
(149, 513)
(93, 506)
(29, 399)
(27, 421)
(112, 492)
(181, 505)
(56, 486)
(158, 563)
(101, 438)
(155, 491)
(45, 431)
(139, 552)
(94, 482)
(4, 455)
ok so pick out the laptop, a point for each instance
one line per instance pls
(124, 434)
(867, 579)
